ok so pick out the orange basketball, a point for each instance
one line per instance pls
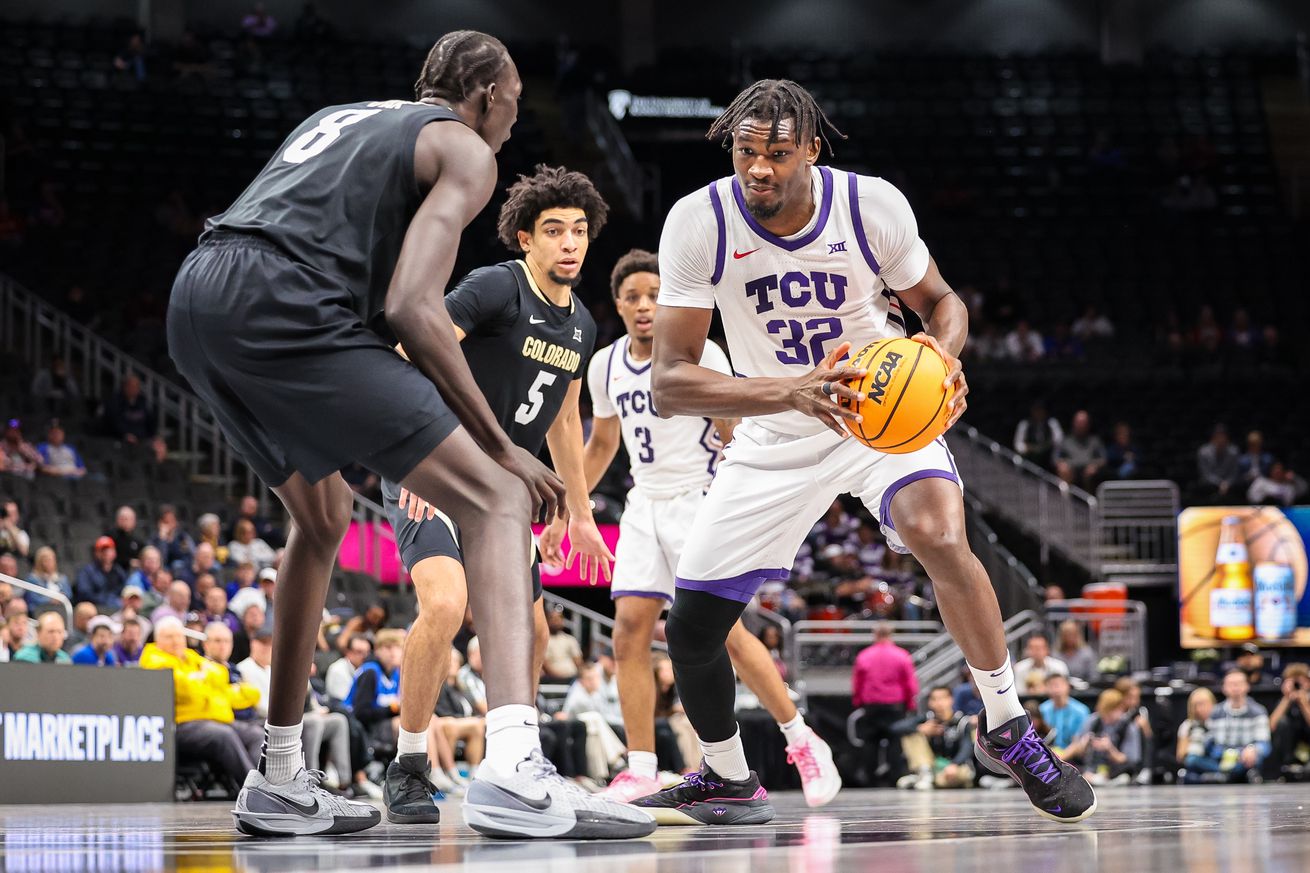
(904, 405)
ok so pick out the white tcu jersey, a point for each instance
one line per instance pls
(786, 302)
(669, 456)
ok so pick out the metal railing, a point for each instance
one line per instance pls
(1111, 627)
(1137, 535)
(1059, 515)
(34, 330)
(1016, 587)
(56, 596)
(943, 668)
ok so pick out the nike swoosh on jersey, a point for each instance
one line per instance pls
(532, 319)
(739, 255)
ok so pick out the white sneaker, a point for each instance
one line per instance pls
(628, 786)
(298, 807)
(819, 777)
(442, 781)
(371, 789)
(535, 801)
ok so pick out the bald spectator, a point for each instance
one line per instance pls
(1080, 456)
(49, 645)
(216, 611)
(884, 684)
(99, 650)
(341, 673)
(177, 604)
(203, 560)
(126, 542)
(1030, 673)
(248, 510)
(217, 647)
(81, 630)
(101, 581)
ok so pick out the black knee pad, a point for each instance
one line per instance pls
(698, 626)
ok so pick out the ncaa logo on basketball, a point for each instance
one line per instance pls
(883, 377)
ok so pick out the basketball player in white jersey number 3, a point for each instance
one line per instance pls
(801, 261)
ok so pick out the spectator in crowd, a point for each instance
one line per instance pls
(6, 594)
(1216, 465)
(208, 528)
(244, 576)
(177, 604)
(1255, 461)
(884, 684)
(150, 561)
(1290, 720)
(204, 698)
(771, 636)
(15, 633)
(49, 645)
(156, 596)
(80, 632)
(370, 622)
(127, 545)
(131, 637)
(99, 650)
(1038, 663)
(457, 720)
(251, 610)
(216, 611)
(588, 703)
(20, 457)
(58, 458)
(835, 528)
(1194, 737)
(134, 605)
(1061, 345)
(1281, 487)
(248, 510)
(101, 580)
(341, 672)
(1036, 437)
(258, 23)
(1024, 344)
(1251, 661)
(1053, 594)
(1080, 455)
(13, 539)
(588, 694)
(1077, 655)
(130, 418)
(45, 573)
(255, 668)
(470, 678)
(1141, 716)
(965, 694)
(1092, 325)
(175, 546)
(563, 652)
(330, 730)
(132, 59)
(940, 748)
(1122, 458)
(1109, 747)
(200, 588)
(202, 562)
(1239, 733)
(1065, 715)
(55, 386)
(375, 697)
(268, 588)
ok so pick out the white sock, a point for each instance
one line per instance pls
(284, 756)
(644, 764)
(412, 743)
(513, 733)
(795, 730)
(999, 696)
(727, 758)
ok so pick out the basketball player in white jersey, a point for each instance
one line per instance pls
(672, 463)
(802, 262)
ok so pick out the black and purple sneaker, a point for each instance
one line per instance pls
(1056, 789)
(709, 799)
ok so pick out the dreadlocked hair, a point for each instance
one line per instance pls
(549, 188)
(775, 99)
(458, 63)
(635, 261)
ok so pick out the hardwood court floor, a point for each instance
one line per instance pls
(1194, 829)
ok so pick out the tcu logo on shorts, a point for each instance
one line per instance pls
(882, 377)
(797, 289)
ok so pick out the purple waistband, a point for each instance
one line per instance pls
(741, 587)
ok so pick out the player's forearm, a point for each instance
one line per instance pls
(949, 323)
(565, 441)
(683, 388)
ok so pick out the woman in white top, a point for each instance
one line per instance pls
(249, 548)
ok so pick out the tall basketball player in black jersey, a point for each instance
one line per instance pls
(360, 211)
(528, 340)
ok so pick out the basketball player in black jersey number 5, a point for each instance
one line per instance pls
(359, 214)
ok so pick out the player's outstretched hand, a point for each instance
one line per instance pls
(544, 487)
(954, 376)
(550, 543)
(808, 395)
(586, 542)
(415, 507)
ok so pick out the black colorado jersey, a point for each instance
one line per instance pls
(339, 194)
(524, 351)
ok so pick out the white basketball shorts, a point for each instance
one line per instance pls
(652, 533)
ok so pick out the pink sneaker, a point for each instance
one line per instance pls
(628, 786)
(819, 777)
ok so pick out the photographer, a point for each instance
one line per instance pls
(1290, 720)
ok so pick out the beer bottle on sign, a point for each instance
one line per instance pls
(1232, 600)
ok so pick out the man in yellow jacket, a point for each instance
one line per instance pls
(203, 700)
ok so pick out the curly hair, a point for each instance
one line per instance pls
(635, 261)
(459, 62)
(775, 99)
(549, 188)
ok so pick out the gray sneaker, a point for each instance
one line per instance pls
(297, 808)
(536, 802)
